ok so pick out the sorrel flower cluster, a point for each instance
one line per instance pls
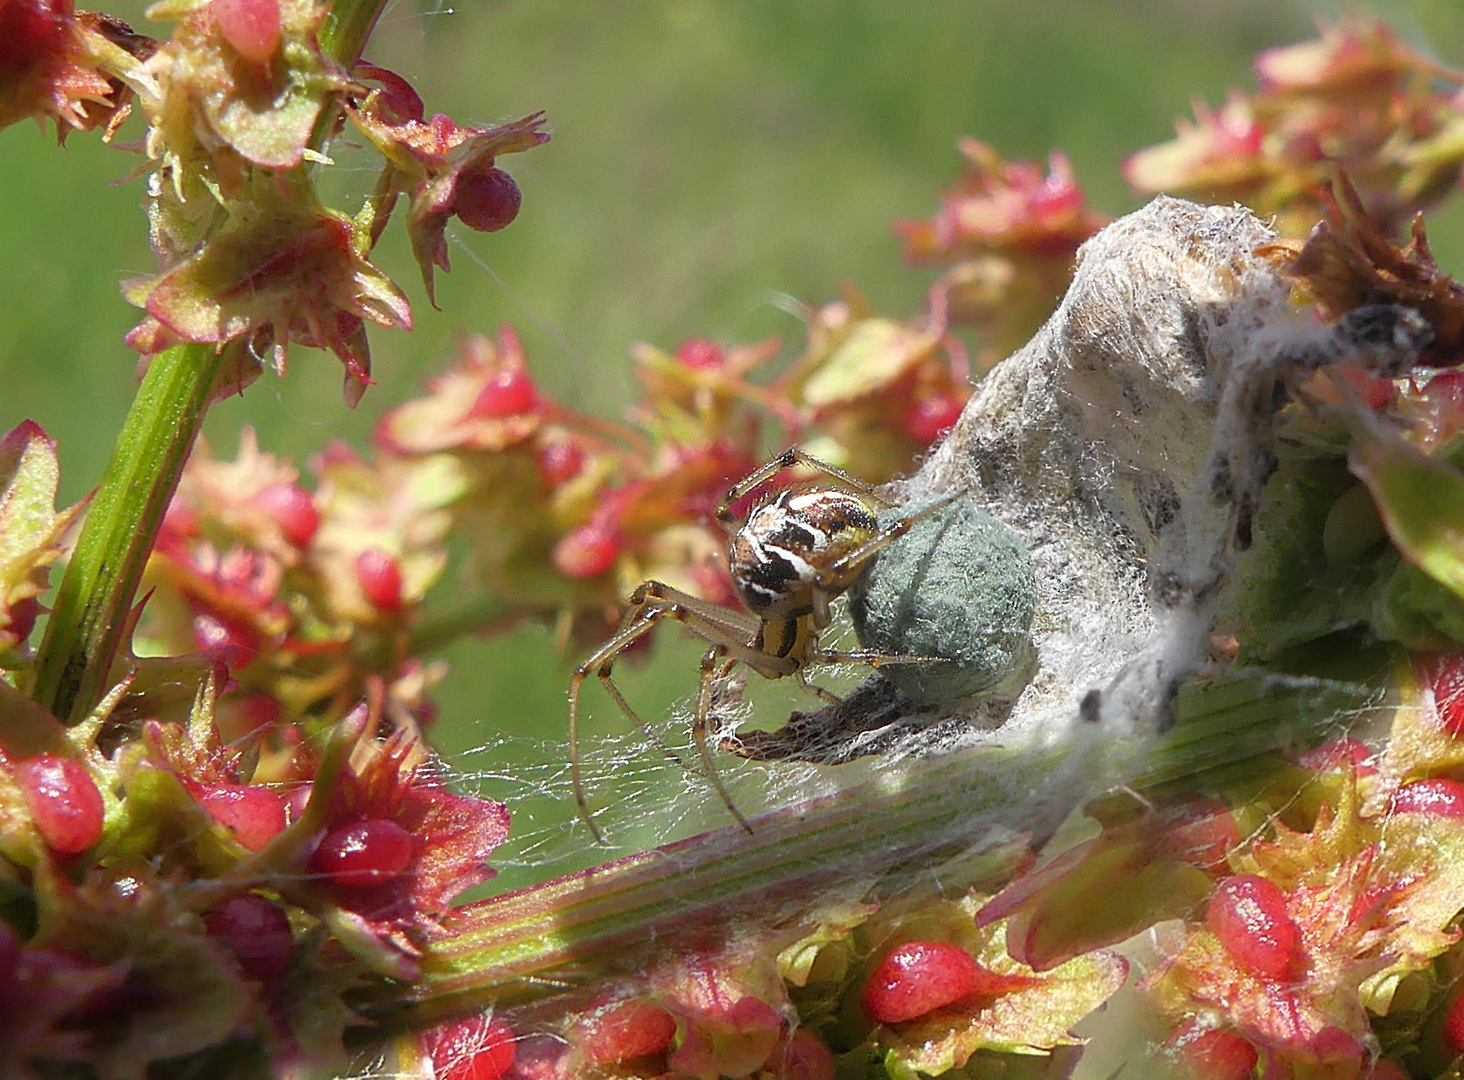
(241, 854)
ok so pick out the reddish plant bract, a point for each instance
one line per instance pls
(477, 1048)
(64, 802)
(252, 27)
(803, 1057)
(370, 851)
(487, 199)
(256, 931)
(1248, 914)
(292, 508)
(254, 814)
(632, 1029)
(919, 977)
(380, 578)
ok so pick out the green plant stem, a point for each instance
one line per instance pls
(99, 587)
(96, 593)
(950, 823)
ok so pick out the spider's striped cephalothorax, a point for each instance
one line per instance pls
(776, 558)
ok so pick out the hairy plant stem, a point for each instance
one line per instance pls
(89, 616)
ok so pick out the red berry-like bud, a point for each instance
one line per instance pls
(561, 461)
(292, 508)
(929, 418)
(1214, 1054)
(701, 354)
(380, 578)
(256, 931)
(474, 1049)
(509, 392)
(371, 851)
(587, 552)
(919, 977)
(1248, 914)
(1203, 836)
(1439, 796)
(803, 1057)
(254, 814)
(64, 802)
(487, 199)
(252, 27)
(632, 1029)
(233, 643)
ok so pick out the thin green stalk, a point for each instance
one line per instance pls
(99, 587)
(96, 593)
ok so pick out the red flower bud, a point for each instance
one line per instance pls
(919, 977)
(930, 418)
(478, 1048)
(1439, 796)
(380, 578)
(701, 354)
(1248, 914)
(632, 1029)
(292, 508)
(254, 814)
(508, 392)
(370, 851)
(252, 27)
(587, 552)
(256, 931)
(64, 802)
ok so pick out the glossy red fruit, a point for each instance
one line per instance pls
(929, 418)
(919, 977)
(1214, 1054)
(1248, 914)
(587, 552)
(64, 802)
(701, 354)
(256, 931)
(632, 1029)
(380, 578)
(252, 27)
(292, 508)
(1438, 796)
(477, 1048)
(509, 392)
(487, 199)
(254, 814)
(368, 851)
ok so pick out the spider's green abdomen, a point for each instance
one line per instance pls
(959, 588)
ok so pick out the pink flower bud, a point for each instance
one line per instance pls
(487, 199)
(292, 508)
(252, 27)
(380, 578)
(256, 931)
(64, 802)
(478, 1048)
(587, 552)
(629, 1030)
(919, 977)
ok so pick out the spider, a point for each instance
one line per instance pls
(797, 550)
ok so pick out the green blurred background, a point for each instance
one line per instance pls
(708, 156)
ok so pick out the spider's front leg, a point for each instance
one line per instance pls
(786, 460)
